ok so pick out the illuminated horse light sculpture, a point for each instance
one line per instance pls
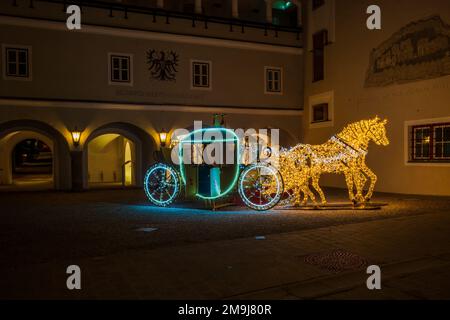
(345, 153)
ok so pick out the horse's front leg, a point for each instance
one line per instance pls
(373, 180)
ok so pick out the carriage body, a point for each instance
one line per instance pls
(192, 177)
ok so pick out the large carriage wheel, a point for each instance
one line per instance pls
(260, 186)
(162, 184)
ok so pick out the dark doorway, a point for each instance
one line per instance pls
(32, 162)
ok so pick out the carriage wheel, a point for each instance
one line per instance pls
(260, 186)
(161, 184)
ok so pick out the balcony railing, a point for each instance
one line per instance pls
(196, 18)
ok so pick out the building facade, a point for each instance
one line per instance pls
(400, 73)
(135, 69)
(139, 68)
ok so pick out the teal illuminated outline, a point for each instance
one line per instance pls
(236, 173)
(149, 194)
(242, 192)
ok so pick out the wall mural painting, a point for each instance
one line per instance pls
(419, 51)
(162, 65)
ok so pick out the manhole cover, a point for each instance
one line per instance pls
(146, 229)
(337, 261)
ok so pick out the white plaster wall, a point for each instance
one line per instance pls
(346, 64)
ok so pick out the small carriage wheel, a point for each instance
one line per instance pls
(260, 186)
(162, 184)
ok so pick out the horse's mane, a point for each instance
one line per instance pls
(356, 133)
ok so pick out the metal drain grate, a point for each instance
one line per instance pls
(337, 261)
(146, 229)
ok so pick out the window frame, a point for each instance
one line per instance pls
(111, 81)
(412, 143)
(327, 112)
(443, 142)
(29, 55)
(280, 80)
(322, 98)
(209, 74)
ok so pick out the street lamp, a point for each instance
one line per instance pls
(76, 135)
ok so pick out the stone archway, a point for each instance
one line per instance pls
(30, 162)
(13, 131)
(128, 147)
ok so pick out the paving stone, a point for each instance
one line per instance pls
(196, 255)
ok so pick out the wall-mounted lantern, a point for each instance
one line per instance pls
(163, 138)
(76, 135)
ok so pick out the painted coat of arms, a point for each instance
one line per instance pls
(162, 65)
(419, 51)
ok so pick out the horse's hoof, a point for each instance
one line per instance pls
(368, 199)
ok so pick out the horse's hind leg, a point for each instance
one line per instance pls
(297, 197)
(315, 184)
(373, 180)
(308, 194)
(305, 196)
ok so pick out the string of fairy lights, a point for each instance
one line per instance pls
(345, 153)
(296, 171)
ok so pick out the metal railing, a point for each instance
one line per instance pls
(125, 9)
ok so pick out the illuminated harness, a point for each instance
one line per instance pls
(354, 152)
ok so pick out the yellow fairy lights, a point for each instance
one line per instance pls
(345, 153)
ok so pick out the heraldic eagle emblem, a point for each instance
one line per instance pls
(162, 66)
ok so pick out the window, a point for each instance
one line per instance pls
(442, 142)
(319, 40)
(201, 74)
(431, 143)
(320, 112)
(273, 80)
(17, 62)
(421, 143)
(120, 69)
(317, 4)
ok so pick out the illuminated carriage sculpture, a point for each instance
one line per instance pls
(261, 186)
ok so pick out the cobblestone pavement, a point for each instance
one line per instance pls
(229, 254)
